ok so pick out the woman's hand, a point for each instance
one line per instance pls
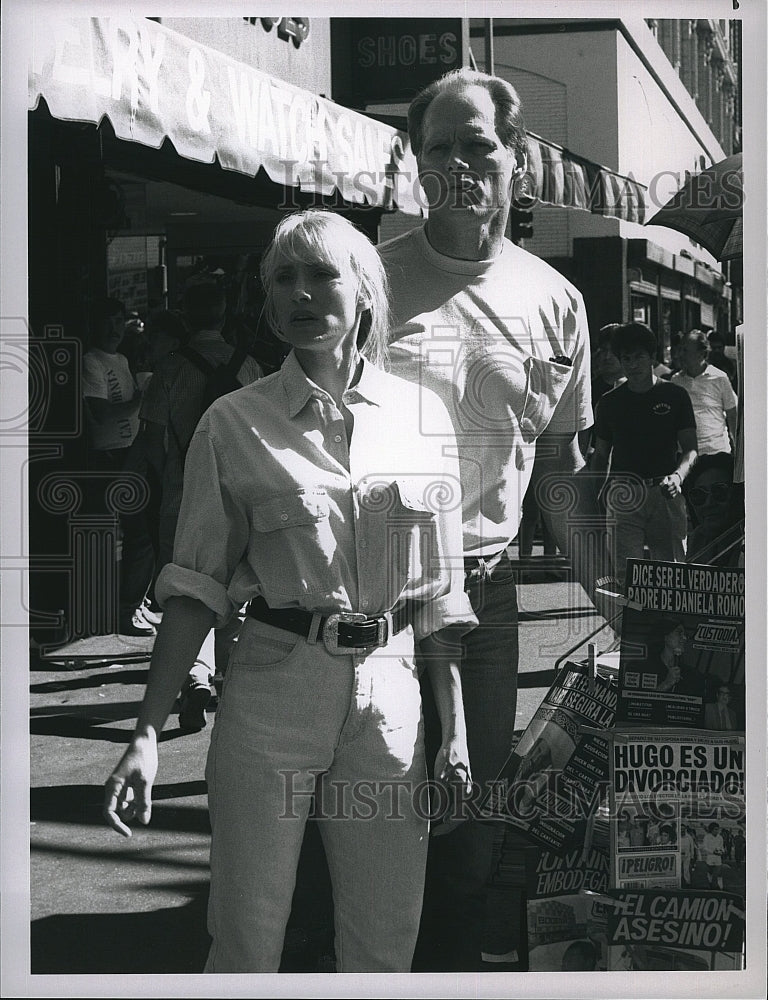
(186, 622)
(128, 790)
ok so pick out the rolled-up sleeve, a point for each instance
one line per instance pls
(450, 606)
(212, 532)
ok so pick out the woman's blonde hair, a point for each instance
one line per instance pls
(319, 235)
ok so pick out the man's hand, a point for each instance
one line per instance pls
(672, 485)
(672, 678)
(452, 773)
(128, 790)
(453, 757)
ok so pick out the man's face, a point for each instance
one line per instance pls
(691, 356)
(113, 332)
(605, 363)
(636, 364)
(710, 497)
(716, 346)
(463, 165)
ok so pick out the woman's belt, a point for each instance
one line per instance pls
(341, 631)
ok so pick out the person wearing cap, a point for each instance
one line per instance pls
(645, 430)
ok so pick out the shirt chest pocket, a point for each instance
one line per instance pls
(402, 521)
(546, 382)
(293, 547)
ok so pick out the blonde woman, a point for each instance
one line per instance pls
(319, 496)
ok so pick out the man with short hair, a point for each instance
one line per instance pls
(502, 338)
(647, 429)
(713, 398)
(719, 714)
(172, 407)
(719, 359)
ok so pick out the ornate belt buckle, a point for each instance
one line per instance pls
(331, 631)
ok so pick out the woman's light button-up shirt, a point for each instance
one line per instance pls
(277, 503)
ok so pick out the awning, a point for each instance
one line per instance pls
(558, 177)
(154, 84)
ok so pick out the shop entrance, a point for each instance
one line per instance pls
(171, 234)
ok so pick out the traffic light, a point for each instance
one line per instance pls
(520, 225)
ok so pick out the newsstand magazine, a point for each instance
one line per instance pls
(682, 646)
(553, 780)
(661, 930)
(677, 810)
(566, 912)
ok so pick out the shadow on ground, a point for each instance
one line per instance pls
(87, 722)
(93, 681)
(175, 940)
(82, 804)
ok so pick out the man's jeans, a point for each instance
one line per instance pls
(459, 863)
(293, 720)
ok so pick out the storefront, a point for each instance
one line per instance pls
(153, 155)
(635, 280)
(156, 151)
(167, 136)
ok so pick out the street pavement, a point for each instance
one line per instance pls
(103, 904)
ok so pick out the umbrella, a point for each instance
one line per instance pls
(708, 208)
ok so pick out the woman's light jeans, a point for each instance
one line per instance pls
(294, 719)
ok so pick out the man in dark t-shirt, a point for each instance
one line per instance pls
(647, 429)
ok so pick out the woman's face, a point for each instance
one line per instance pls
(710, 497)
(317, 303)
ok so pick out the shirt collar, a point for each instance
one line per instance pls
(373, 385)
(299, 389)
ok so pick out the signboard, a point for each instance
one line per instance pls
(392, 59)
(155, 84)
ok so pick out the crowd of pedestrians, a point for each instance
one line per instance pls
(270, 515)
(667, 446)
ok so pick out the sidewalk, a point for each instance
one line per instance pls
(101, 904)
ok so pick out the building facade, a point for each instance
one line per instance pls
(653, 101)
(163, 147)
(160, 148)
